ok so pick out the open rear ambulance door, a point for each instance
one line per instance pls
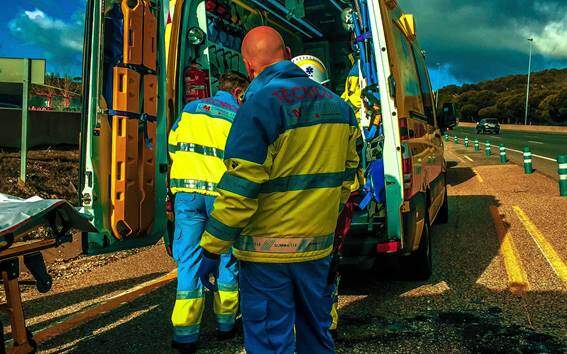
(393, 175)
(124, 164)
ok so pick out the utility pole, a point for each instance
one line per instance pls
(531, 40)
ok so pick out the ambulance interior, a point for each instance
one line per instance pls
(308, 27)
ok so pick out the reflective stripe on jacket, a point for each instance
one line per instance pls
(291, 159)
(196, 144)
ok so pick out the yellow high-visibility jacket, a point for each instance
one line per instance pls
(291, 159)
(196, 144)
(353, 92)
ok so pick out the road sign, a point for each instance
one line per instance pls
(12, 70)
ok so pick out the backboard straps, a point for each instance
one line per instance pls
(12, 70)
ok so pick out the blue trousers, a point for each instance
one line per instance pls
(286, 308)
(191, 213)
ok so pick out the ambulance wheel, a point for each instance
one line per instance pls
(418, 265)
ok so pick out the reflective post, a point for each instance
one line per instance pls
(487, 150)
(456, 139)
(562, 161)
(503, 158)
(476, 145)
(446, 137)
(528, 167)
(467, 142)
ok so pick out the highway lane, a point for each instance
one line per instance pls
(544, 144)
(545, 147)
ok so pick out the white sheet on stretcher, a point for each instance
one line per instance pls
(18, 215)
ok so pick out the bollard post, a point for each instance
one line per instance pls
(503, 158)
(528, 167)
(456, 139)
(467, 142)
(487, 149)
(476, 145)
(446, 137)
(562, 161)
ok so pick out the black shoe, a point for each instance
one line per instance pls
(226, 335)
(184, 348)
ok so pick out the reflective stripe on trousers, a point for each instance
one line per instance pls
(191, 214)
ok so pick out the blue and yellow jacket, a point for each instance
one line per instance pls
(197, 142)
(353, 93)
(291, 159)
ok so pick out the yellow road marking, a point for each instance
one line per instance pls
(468, 158)
(517, 278)
(553, 258)
(478, 176)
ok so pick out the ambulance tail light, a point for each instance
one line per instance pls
(388, 247)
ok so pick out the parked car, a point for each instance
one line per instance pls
(488, 125)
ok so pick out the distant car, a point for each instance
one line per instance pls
(488, 125)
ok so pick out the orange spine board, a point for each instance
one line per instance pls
(124, 177)
(150, 37)
(126, 93)
(147, 156)
(133, 31)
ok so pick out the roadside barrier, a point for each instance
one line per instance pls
(503, 158)
(562, 161)
(476, 145)
(467, 142)
(528, 167)
(487, 150)
(456, 139)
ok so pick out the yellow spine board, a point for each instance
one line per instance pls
(147, 163)
(133, 31)
(124, 171)
(150, 37)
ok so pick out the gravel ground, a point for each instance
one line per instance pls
(465, 307)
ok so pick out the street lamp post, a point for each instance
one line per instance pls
(531, 40)
(438, 82)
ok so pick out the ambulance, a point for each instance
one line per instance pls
(145, 59)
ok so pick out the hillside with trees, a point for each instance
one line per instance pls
(505, 98)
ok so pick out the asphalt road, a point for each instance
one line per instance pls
(544, 144)
(499, 283)
(545, 147)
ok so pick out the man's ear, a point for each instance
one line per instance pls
(249, 69)
(288, 53)
(238, 94)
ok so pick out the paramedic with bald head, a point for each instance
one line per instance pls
(279, 200)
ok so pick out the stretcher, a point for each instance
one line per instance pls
(18, 217)
(133, 115)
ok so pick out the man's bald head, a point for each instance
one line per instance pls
(262, 47)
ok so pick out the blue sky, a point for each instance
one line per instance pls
(472, 40)
(48, 29)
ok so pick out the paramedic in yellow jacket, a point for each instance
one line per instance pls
(196, 146)
(280, 198)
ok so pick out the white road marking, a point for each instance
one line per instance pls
(535, 142)
(468, 158)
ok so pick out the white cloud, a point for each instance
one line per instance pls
(61, 41)
(551, 40)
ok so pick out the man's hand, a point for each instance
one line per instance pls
(209, 265)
